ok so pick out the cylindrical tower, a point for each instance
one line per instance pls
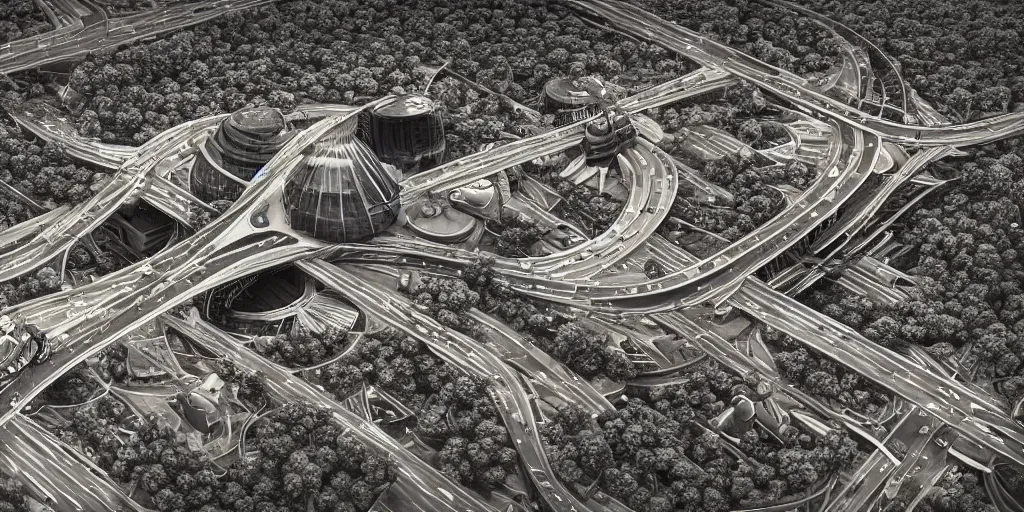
(243, 143)
(407, 132)
(569, 101)
(566, 94)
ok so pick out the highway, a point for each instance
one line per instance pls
(549, 372)
(522, 354)
(713, 194)
(878, 229)
(968, 410)
(57, 20)
(973, 414)
(652, 176)
(251, 236)
(49, 470)
(923, 466)
(688, 285)
(651, 179)
(1004, 498)
(142, 174)
(419, 486)
(729, 356)
(847, 33)
(511, 399)
(646, 26)
(909, 101)
(46, 122)
(865, 485)
(476, 166)
(723, 271)
(856, 280)
(136, 179)
(849, 225)
(99, 33)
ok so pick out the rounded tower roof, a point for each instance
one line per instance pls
(340, 191)
(242, 144)
(567, 94)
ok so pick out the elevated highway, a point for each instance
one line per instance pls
(850, 225)
(975, 415)
(45, 122)
(511, 399)
(968, 410)
(49, 471)
(137, 179)
(251, 236)
(714, 277)
(474, 167)
(640, 24)
(865, 485)
(419, 486)
(99, 33)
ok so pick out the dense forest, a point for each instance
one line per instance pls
(768, 32)
(41, 171)
(963, 57)
(582, 350)
(20, 19)
(655, 455)
(305, 462)
(116, 8)
(456, 414)
(345, 52)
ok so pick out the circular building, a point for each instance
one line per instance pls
(242, 144)
(571, 100)
(340, 191)
(407, 132)
(567, 94)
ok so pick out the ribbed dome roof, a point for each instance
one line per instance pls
(340, 191)
(243, 143)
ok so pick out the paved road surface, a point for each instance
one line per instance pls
(419, 486)
(975, 415)
(474, 167)
(251, 236)
(643, 25)
(512, 401)
(100, 33)
(48, 469)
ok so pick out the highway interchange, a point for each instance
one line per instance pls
(253, 236)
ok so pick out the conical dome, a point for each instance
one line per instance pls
(340, 191)
(243, 143)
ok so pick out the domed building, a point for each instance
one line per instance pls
(242, 144)
(340, 191)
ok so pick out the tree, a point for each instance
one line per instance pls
(448, 301)
(12, 495)
(960, 102)
(588, 354)
(516, 236)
